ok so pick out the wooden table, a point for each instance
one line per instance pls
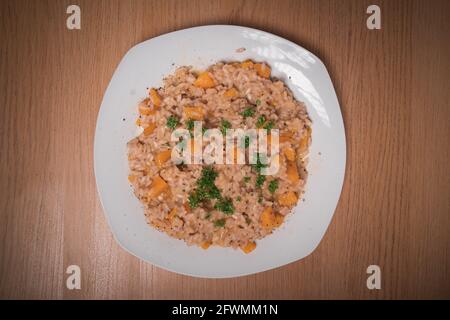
(394, 90)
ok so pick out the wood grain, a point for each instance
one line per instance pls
(394, 89)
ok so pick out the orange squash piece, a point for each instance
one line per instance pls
(149, 129)
(263, 70)
(288, 199)
(157, 187)
(249, 247)
(155, 98)
(230, 93)
(292, 172)
(145, 110)
(247, 64)
(305, 139)
(278, 220)
(270, 219)
(162, 157)
(285, 136)
(138, 122)
(289, 153)
(267, 218)
(131, 178)
(194, 113)
(205, 245)
(204, 80)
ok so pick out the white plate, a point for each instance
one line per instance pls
(144, 66)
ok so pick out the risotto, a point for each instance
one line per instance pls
(230, 205)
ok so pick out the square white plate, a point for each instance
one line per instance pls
(144, 66)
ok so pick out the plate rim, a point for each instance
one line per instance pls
(241, 274)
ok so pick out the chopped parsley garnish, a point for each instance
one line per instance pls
(258, 102)
(238, 199)
(190, 124)
(206, 189)
(273, 186)
(208, 176)
(260, 122)
(269, 125)
(219, 223)
(172, 122)
(260, 180)
(214, 192)
(248, 220)
(246, 142)
(225, 205)
(208, 215)
(259, 165)
(248, 112)
(224, 125)
(260, 199)
(246, 179)
(206, 186)
(194, 200)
